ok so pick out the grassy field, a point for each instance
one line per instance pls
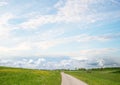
(108, 76)
(17, 76)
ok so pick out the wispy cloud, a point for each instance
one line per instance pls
(3, 3)
(30, 30)
(51, 41)
(68, 11)
(4, 18)
(89, 54)
(17, 50)
(5, 27)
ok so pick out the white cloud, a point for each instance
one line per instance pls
(5, 27)
(93, 53)
(71, 11)
(15, 41)
(4, 18)
(50, 40)
(3, 3)
(101, 63)
(77, 7)
(40, 61)
(21, 46)
(45, 63)
(16, 50)
(51, 34)
(97, 51)
(37, 21)
(78, 38)
(46, 44)
(4, 32)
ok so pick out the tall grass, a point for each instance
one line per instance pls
(16, 76)
(98, 76)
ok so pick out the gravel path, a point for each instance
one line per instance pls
(70, 80)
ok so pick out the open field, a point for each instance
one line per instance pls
(17, 76)
(108, 76)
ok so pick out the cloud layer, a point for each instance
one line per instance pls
(60, 63)
(81, 29)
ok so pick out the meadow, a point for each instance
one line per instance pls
(19, 76)
(106, 76)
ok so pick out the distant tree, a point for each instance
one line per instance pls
(82, 69)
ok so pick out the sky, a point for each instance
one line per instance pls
(57, 34)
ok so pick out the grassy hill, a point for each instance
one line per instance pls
(18, 76)
(106, 76)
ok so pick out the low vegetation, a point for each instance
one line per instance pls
(106, 76)
(17, 76)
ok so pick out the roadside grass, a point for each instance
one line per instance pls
(18, 76)
(107, 76)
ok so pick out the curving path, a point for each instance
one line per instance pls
(70, 80)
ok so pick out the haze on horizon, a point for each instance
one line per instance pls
(54, 34)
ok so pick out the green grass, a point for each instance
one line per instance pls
(108, 76)
(17, 76)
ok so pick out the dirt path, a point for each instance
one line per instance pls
(69, 80)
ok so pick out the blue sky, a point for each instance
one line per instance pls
(81, 30)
